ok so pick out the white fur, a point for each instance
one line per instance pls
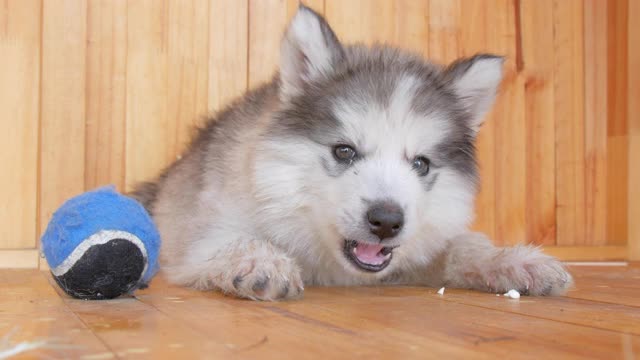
(305, 53)
(261, 215)
(478, 86)
(297, 202)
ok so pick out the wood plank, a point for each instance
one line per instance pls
(245, 324)
(485, 331)
(617, 189)
(538, 55)
(608, 294)
(403, 23)
(614, 317)
(587, 252)
(633, 113)
(228, 55)
(131, 328)
(316, 5)
(338, 307)
(411, 26)
(148, 128)
(602, 276)
(165, 321)
(33, 312)
(106, 87)
(478, 18)
(595, 37)
(445, 30)
(187, 70)
(617, 126)
(42, 264)
(62, 126)
(19, 113)
(569, 110)
(510, 157)
(267, 21)
(19, 259)
(634, 197)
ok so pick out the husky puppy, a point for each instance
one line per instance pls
(354, 166)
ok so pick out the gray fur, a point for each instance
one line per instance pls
(258, 194)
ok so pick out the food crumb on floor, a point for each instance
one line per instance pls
(441, 291)
(514, 294)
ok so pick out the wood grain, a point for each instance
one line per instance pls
(187, 70)
(403, 23)
(633, 113)
(19, 116)
(282, 328)
(97, 92)
(476, 38)
(106, 57)
(166, 321)
(148, 131)
(569, 310)
(123, 323)
(509, 122)
(267, 21)
(444, 30)
(63, 112)
(228, 55)
(538, 58)
(587, 252)
(293, 5)
(19, 259)
(38, 314)
(595, 63)
(608, 294)
(617, 126)
(330, 313)
(569, 108)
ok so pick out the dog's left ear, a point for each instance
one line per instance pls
(475, 80)
(309, 51)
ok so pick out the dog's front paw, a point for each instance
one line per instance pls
(271, 277)
(529, 271)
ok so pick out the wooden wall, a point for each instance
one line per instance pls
(106, 91)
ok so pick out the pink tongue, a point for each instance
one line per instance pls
(369, 253)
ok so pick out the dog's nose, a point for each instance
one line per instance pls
(385, 219)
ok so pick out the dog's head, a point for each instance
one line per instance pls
(372, 148)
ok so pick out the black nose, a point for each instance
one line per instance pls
(385, 219)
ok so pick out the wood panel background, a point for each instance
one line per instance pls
(106, 91)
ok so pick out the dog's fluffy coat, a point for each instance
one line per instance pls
(259, 205)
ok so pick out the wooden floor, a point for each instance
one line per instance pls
(599, 319)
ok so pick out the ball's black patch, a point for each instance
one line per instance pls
(105, 271)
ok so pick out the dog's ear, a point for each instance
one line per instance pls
(475, 80)
(309, 51)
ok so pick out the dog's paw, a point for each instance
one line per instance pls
(527, 270)
(269, 278)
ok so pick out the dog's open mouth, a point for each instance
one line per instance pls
(369, 257)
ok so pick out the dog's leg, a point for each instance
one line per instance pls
(240, 264)
(472, 261)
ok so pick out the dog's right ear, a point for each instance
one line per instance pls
(309, 51)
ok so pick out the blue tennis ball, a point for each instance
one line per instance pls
(100, 245)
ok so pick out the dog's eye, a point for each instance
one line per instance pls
(421, 165)
(344, 153)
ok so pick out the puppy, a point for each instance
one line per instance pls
(354, 166)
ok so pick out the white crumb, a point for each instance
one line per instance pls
(497, 294)
(441, 291)
(514, 294)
